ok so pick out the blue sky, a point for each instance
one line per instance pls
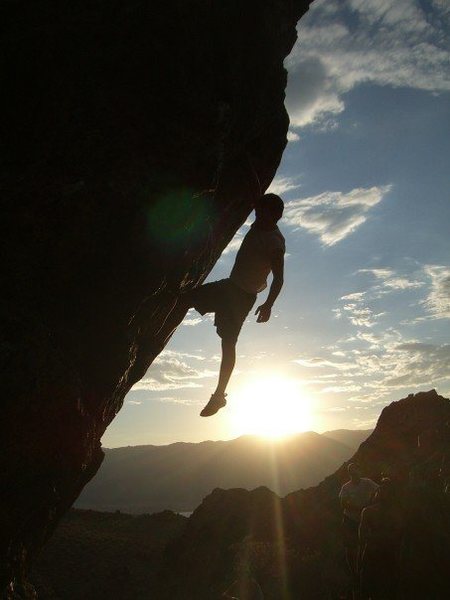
(364, 317)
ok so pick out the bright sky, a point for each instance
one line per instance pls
(364, 317)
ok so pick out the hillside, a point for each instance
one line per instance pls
(178, 476)
(104, 556)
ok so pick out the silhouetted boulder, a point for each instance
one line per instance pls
(119, 119)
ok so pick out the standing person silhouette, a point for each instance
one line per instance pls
(354, 496)
(380, 541)
(261, 252)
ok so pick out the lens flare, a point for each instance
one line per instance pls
(178, 218)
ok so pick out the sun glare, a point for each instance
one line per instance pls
(272, 407)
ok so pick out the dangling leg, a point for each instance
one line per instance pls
(226, 365)
(218, 400)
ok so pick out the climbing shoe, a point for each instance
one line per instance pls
(216, 402)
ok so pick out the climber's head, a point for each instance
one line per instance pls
(269, 209)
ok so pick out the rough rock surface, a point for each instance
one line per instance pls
(120, 118)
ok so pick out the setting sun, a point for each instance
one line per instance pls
(271, 406)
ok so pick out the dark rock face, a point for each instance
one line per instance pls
(120, 118)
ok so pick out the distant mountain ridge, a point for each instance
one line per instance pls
(350, 437)
(143, 479)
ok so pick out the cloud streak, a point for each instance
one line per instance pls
(333, 216)
(375, 361)
(235, 243)
(281, 185)
(171, 371)
(390, 281)
(344, 44)
(374, 371)
(438, 300)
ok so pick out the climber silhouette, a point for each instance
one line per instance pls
(261, 252)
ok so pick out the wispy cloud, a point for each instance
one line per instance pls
(375, 370)
(321, 362)
(390, 281)
(190, 320)
(236, 242)
(438, 300)
(334, 215)
(345, 43)
(292, 136)
(433, 280)
(176, 400)
(354, 296)
(282, 185)
(377, 360)
(359, 307)
(171, 371)
(360, 315)
(339, 389)
(419, 364)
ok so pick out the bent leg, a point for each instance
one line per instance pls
(226, 365)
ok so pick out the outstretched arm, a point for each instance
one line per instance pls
(277, 265)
